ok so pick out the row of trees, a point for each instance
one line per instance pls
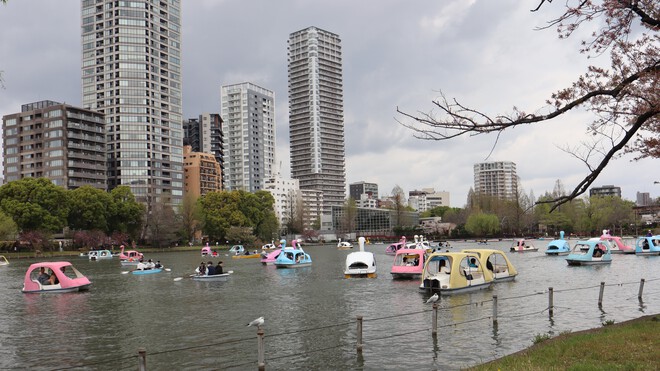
(35, 208)
(491, 216)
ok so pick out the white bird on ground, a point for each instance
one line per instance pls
(257, 322)
(433, 298)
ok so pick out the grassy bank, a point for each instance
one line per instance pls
(630, 345)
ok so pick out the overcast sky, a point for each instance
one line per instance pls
(486, 54)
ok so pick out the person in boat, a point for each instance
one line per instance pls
(649, 234)
(443, 267)
(201, 270)
(53, 280)
(150, 264)
(218, 268)
(473, 263)
(489, 265)
(598, 252)
(158, 265)
(43, 276)
(210, 269)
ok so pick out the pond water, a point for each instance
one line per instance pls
(310, 314)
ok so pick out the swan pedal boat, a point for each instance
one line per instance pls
(344, 245)
(66, 283)
(497, 264)
(237, 250)
(3, 260)
(360, 264)
(99, 254)
(521, 246)
(558, 247)
(452, 273)
(408, 264)
(590, 253)
(269, 258)
(616, 243)
(293, 257)
(648, 245)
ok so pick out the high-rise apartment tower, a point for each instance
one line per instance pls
(316, 113)
(131, 72)
(248, 131)
(497, 179)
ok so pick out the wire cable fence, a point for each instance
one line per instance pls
(129, 361)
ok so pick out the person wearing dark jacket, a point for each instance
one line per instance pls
(210, 269)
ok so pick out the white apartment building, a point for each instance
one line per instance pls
(131, 72)
(316, 113)
(497, 179)
(427, 199)
(248, 131)
(286, 193)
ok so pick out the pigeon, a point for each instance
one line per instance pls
(257, 322)
(433, 298)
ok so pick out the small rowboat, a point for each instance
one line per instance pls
(214, 277)
(147, 271)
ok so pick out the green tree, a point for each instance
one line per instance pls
(220, 211)
(480, 224)
(258, 209)
(8, 228)
(242, 235)
(35, 204)
(126, 215)
(89, 209)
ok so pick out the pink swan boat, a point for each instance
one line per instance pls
(130, 256)
(69, 279)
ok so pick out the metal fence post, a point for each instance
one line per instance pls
(641, 288)
(261, 362)
(142, 359)
(434, 325)
(600, 295)
(550, 301)
(359, 334)
(494, 309)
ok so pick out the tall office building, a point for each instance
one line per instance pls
(204, 134)
(131, 72)
(316, 114)
(248, 132)
(57, 141)
(497, 179)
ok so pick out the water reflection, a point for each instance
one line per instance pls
(310, 314)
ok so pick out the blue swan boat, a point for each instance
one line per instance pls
(648, 245)
(293, 257)
(589, 253)
(559, 246)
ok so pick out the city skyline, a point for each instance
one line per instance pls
(403, 59)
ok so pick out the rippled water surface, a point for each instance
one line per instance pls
(310, 314)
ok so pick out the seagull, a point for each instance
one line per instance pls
(433, 298)
(257, 322)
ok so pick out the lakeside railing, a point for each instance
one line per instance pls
(491, 314)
